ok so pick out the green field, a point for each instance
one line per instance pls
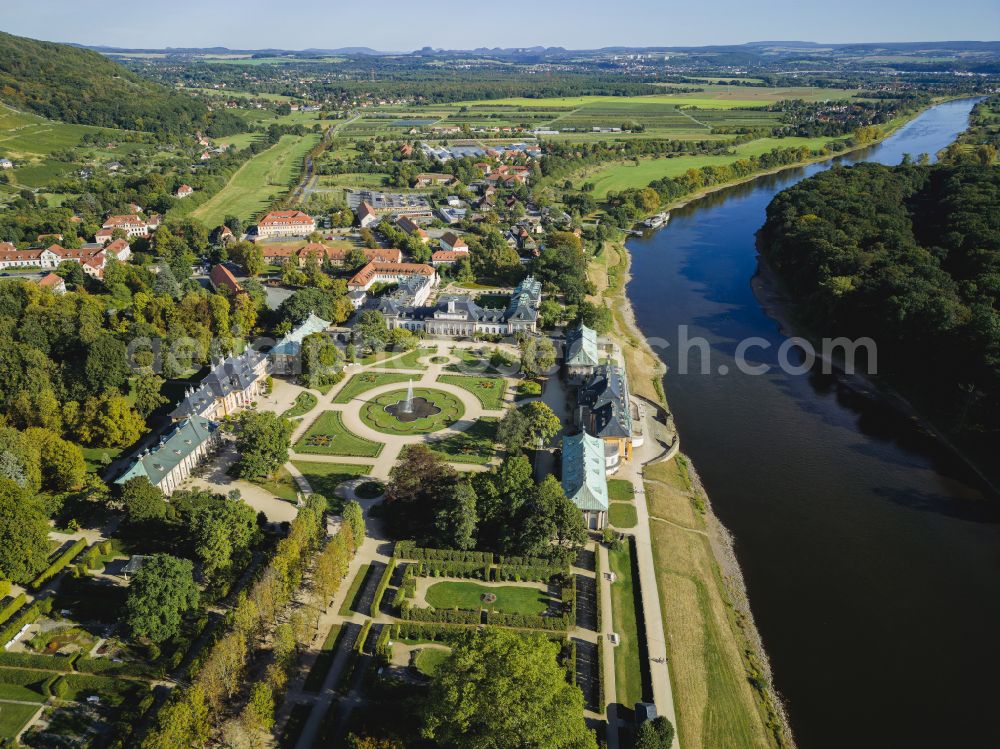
(327, 435)
(717, 97)
(511, 599)
(258, 182)
(622, 515)
(429, 660)
(621, 176)
(281, 485)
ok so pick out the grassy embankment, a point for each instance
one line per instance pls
(710, 642)
(258, 182)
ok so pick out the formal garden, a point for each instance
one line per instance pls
(432, 410)
(489, 390)
(327, 435)
(477, 444)
(364, 381)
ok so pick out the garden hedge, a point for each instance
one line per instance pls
(12, 607)
(60, 562)
(383, 584)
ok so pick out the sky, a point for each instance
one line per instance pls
(405, 25)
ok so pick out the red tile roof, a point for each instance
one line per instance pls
(448, 256)
(285, 218)
(365, 276)
(51, 280)
(222, 276)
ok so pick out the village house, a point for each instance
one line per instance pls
(285, 356)
(184, 191)
(54, 283)
(132, 224)
(222, 278)
(411, 227)
(174, 458)
(6, 164)
(286, 224)
(92, 257)
(453, 242)
(230, 386)
(366, 215)
(584, 478)
(222, 235)
(604, 410)
(433, 179)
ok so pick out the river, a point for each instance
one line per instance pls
(870, 552)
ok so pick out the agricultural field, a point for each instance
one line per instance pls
(619, 176)
(258, 182)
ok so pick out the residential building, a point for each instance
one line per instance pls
(131, 224)
(336, 255)
(451, 215)
(36, 257)
(366, 215)
(54, 283)
(184, 191)
(174, 458)
(222, 278)
(584, 478)
(447, 257)
(411, 227)
(231, 385)
(433, 179)
(91, 256)
(381, 272)
(453, 242)
(286, 355)
(6, 164)
(286, 224)
(581, 357)
(604, 410)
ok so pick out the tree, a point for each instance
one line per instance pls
(542, 423)
(249, 255)
(455, 521)
(356, 258)
(512, 431)
(354, 517)
(146, 388)
(142, 502)
(60, 461)
(597, 317)
(224, 533)
(162, 591)
(24, 534)
(505, 690)
(538, 355)
(655, 734)
(110, 421)
(262, 444)
(106, 366)
(322, 361)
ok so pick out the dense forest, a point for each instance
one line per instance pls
(909, 256)
(79, 86)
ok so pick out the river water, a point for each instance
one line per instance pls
(870, 553)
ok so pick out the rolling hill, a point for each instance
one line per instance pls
(75, 85)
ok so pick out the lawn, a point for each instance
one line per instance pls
(110, 690)
(348, 604)
(409, 359)
(324, 478)
(328, 436)
(429, 660)
(374, 415)
(258, 182)
(471, 362)
(364, 381)
(321, 666)
(95, 456)
(628, 674)
(477, 444)
(620, 490)
(281, 485)
(22, 684)
(511, 599)
(304, 403)
(13, 717)
(622, 515)
(706, 649)
(489, 390)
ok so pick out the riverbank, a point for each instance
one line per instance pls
(720, 671)
(778, 304)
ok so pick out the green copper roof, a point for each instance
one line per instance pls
(161, 459)
(581, 347)
(291, 343)
(583, 474)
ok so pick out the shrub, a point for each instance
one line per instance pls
(12, 607)
(4, 587)
(359, 645)
(57, 566)
(383, 584)
(28, 616)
